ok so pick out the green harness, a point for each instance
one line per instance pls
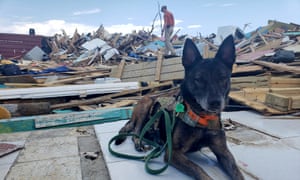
(157, 149)
(166, 105)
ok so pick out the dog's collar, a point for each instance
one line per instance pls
(193, 119)
(202, 118)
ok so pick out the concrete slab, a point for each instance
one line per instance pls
(67, 168)
(48, 148)
(281, 128)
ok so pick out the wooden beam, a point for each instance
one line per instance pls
(81, 117)
(73, 79)
(158, 65)
(121, 69)
(283, 102)
(107, 97)
(279, 67)
(17, 79)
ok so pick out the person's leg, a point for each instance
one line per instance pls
(169, 47)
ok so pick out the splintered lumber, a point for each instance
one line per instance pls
(248, 57)
(17, 79)
(280, 82)
(122, 103)
(158, 66)
(66, 90)
(250, 81)
(279, 67)
(107, 97)
(284, 101)
(163, 70)
(76, 78)
(170, 69)
(256, 99)
(27, 109)
(24, 85)
(240, 97)
(243, 69)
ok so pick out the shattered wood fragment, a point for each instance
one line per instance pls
(122, 103)
(17, 79)
(249, 81)
(256, 99)
(284, 82)
(279, 67)
(283, 102)
(105, 98)
(158, 66)
(120, 69)
(28, 109)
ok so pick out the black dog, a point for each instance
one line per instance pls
(203, 94)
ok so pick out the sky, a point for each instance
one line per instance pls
(192, 17)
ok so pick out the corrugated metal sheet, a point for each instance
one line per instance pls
(17, 45)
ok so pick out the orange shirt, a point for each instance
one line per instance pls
(168, 18)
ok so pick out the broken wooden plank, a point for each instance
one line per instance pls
(107, 97)
(17, 79)
(255, 98)
(121, 69)
(250, 81)
(25, 85)
(76, 78)
(27, 123)
(280, 82)
(146, 71)
(279, 67)
(122, 103)
(243, 69)
(160, 59)
(27, 109)
(283, 102)
(239, 97)
(81, 117)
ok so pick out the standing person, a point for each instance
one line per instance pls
(168, 30)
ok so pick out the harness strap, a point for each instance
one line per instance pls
(158, 149)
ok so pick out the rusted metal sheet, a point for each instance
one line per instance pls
(16, 45)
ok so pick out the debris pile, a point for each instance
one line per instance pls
(101, 70)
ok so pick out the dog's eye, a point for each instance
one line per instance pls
(200, 82)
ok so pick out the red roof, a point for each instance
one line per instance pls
(17, 45)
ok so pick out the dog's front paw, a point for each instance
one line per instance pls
(141, 146)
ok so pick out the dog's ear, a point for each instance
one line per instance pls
(226, 52)
(190, 53)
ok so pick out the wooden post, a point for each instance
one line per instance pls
(158, 65)
(121, 69)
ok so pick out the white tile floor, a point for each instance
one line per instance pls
(268, 158)
(281, 128)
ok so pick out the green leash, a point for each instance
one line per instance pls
(157, 150)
